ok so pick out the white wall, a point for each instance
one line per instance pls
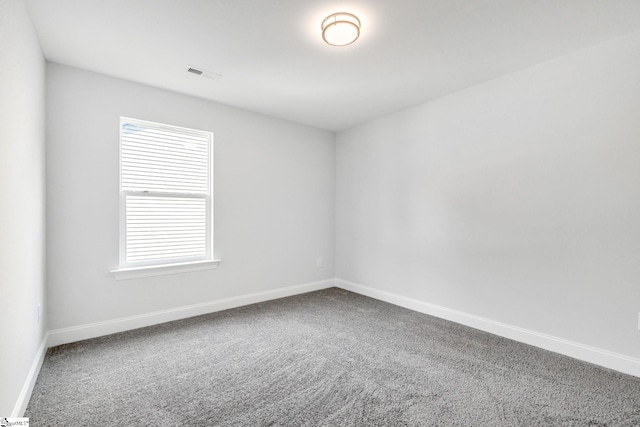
(22, 199)
(517, 200)
(274, 193)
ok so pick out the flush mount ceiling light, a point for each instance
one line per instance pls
(340, 29)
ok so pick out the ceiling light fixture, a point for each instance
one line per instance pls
(340, 29)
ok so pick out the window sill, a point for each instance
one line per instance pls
(161, 270)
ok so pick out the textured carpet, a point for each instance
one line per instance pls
(329, 358)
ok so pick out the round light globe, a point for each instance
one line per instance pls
(340, 29)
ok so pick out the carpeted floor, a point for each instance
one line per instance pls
(327, 358)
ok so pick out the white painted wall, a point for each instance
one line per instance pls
(22, 199)
(274, 195)
(516, 200)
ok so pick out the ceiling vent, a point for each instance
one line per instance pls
(203, 73)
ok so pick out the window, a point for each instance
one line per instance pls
(165, 196)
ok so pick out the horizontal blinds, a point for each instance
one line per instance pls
(165, 227)
(165, 176)
(164, 160)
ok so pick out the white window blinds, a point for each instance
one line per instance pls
(166, 194)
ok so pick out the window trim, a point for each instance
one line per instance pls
(161, 270)
(147, 268)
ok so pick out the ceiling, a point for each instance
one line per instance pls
(273, 61)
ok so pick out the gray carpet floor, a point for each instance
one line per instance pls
(327, 358)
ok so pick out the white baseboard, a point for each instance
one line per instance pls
(93, 330)
(607, 359)
(30, 382)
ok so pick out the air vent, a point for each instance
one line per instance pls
(203, 73)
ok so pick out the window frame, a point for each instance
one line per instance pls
(144, 268)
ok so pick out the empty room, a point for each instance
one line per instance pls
(320, 212)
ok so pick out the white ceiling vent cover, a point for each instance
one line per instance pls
(204, 73)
